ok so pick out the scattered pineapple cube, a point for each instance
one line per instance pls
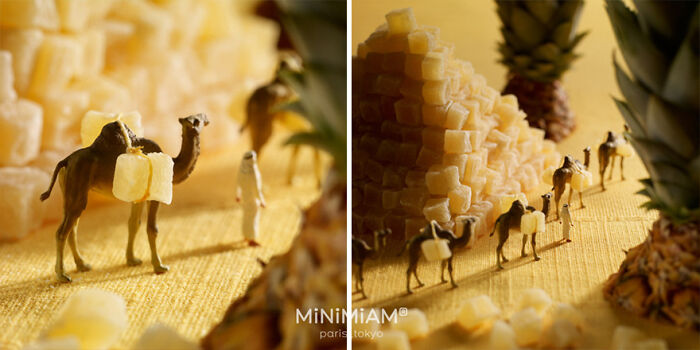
(651, 344)
(394, 62)
(93, 121)
(502, 337)
(442, 180)
(435, 249)
(7, 89)
(433, 66)
(63, 343)
(393, 340)
(55, 64)
(460, 199)
(20, 131)
(536, 298)
(477, 312)
(458, 141)
(564, 311)
(527, 324)
(23, 44)
(92, 53)
(393, 178)
(414, 324)
(387, 151)
(28, 13)
(437, 209)
(73, 14)
(97, 318)
(561, 334)
(388, 84)
(400, 21)
(160, 336)
(21, 211)
(625, 337)
(408, 153)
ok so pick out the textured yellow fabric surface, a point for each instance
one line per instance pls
(198, 239)
(612, 220)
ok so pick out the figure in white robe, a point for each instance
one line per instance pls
(249, 191)
(568, 224)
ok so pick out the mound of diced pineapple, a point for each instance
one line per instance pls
(431, 140)
(166, 59)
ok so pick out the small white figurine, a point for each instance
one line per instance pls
(568, 224)
(249, 189)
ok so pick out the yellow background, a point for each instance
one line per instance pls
(612, 221)
(199, 239)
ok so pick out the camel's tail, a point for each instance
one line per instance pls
(496, 225)
(59, 166)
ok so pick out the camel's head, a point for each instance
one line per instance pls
(195, 122)
(517, 207)
(547, 196)
(587, 150)
(381, 236)
(568, 161)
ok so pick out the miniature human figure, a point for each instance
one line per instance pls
(92, 168)
(505, 222)
(362, 251)
(568, 224)
(607, 152)
(546, 199)
(249, 190)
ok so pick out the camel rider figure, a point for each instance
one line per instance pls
(249, 190)
(568, 224)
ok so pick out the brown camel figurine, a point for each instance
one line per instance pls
(546, 199)
(563, 175)
(92, 168)
(505, 222)
(362, 251)
(607, 152)
(454, 243)
(262, 110)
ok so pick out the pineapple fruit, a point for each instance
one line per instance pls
(425, 125)
(539, 38)
(658, 279)
(62, 58)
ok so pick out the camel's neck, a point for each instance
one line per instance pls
(587, 160)
(186, 160)
(466, 236)
(375, 247)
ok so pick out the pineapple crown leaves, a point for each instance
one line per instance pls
(660, 46)
(318, 30)
(539, 37)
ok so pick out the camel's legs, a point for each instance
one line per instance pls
(449, 269)
(602, 177)
(73, 241)
(622, 168)
(292, 164)
(534, 247)
(499, 254)
(443, 264)
(415, 273)
(571, 195)
(522, 250)
(580, 199)
(134, 224)
(612, 167)
(152, 230)
(408, 281)
(61, 235)
(318, 171)
(362, 280)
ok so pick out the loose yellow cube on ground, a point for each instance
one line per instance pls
(408, 111)
(393, 340)
(476, 312)
(96, 317)
(561, 334)
(435, 249)
(421, 42)
(93, 121)
(502, 337)
(434, 115)
(437, 209)
(435, 92)
(160, 336)
(20, 131)
(457, 141)
(161, 182)
(401, 21)
(7, 89)
(24, 45)
(434, 138)
(581, 180)
(460, 199)
(55, 64)
(414, 324)
(527, 324)
(456, 117)
(442, 180)
(21, 211)
(564, 311)
(651, 344)
(536, 298)
(28, 14)
(131, 176)
(625, 337)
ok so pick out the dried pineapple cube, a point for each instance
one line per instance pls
(97, 318)
(413, 199)
(442, 180)
(23, 44)
(413, 89)
(624, 149)
(387, 151)
(435, 249)
(651, 344)
(388, 84)
(412, 134)
(435, 115)
(374, 170)
(372, 195)
(131, 177)
(421, 42)
(427, 158)
(414, 225)
(369, 143)
(460, 199)
(457, 142)
(505, 202)
(473, 167)
(501, 140)
(7, 89)
(400, 21)
(93, 122)
(408, 152)
(552, 160)
(160, 336)
(434, 138)
(374, 62)
(535, 298)
(105, 94)
(625, 337)
(21, 211)
(435, 92)
(474, 116)
(55, 64)
(561, 334)
(394, 62)
(502, 337)
(161, 181)
(28, 14)
(527, 324)
(437, 209)
(92, 53)
(391, 199)
(393, 178)
(62, 343)
(393, 340)
(73, 14)
(20, 131)
(581, 180)
(414, 324)
(456, 117)
(566, 312)
(391, 129)
(408, 112)
(433, 66)
(477, 312)
(413, 67)
(458, 160)
(362, 50)
(415, 178)
(508, 113)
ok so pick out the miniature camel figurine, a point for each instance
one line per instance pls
(563, 175)
(607, 152)
(454, 243)
(505, 222)
(546, 200)
(92, 168)
(262, 111)
(362, 251)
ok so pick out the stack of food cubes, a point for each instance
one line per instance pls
(166, 59)
(432, 141)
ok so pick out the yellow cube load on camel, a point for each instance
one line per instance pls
(93, 121)
(581, 180)
(532, 223)
(139, 177)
